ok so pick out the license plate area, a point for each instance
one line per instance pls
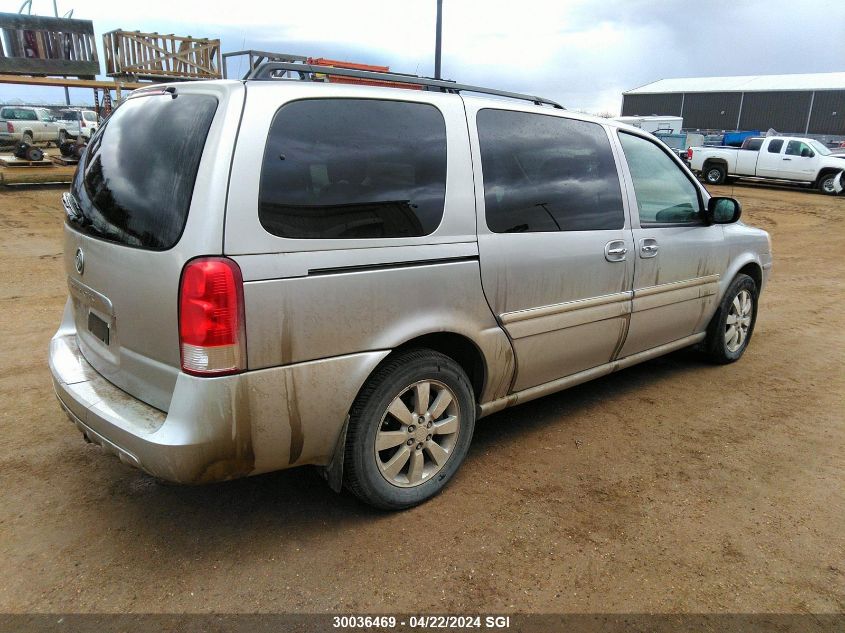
(98, 327)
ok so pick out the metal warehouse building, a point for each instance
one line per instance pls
(811, 104)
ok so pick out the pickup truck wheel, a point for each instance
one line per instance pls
(827, 184)
(409, 430)
(62, 137)
(730, 330)
(27, 138)
(714, 174)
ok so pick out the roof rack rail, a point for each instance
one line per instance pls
(269, 71)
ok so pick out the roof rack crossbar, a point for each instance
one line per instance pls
(267, 71)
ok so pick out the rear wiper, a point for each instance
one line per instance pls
(72, 210)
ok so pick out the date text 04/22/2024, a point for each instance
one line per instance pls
(423, 622)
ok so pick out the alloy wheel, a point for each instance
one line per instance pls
(417, 434)
(739, 320)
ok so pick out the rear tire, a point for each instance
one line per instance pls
(418, 406)
(715, 174)
(730, 329)
(62, 138)
(27, 138)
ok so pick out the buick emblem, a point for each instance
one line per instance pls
(79, 261)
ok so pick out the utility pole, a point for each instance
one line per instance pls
(438, 40)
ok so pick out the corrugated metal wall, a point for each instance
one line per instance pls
(828, 112)
(786, 111)
(646, 105)
(711, 110)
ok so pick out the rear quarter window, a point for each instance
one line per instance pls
(775, 146)
(353, 169)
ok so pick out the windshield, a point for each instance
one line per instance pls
(136, 183)
(821, 149)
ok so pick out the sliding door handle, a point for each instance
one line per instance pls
(615, 251)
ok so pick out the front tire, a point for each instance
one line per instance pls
(827, 184)
(731, 328)
(715, 174)
(409, 430)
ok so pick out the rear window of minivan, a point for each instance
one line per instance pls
(353, 168)
(136, 182)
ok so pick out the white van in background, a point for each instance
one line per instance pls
(654, 123)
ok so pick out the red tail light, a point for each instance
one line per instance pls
(689, 153)
(212, 333)
(9, 126)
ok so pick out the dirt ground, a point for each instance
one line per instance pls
(673, 486)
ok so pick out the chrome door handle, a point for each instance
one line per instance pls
(615, 251)
(648, 247)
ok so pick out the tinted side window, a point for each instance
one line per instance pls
(665, 195)
(547, 173)
(353, 168)
(775, 146)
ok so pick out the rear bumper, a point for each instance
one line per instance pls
(216, 428)
(167, 446)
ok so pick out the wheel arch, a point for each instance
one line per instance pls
(459, 348)
(711, 162)
(753, 270)
(823, 172)
(748, 264)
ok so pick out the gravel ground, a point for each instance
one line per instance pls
(673, 486)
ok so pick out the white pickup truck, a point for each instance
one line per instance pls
(19, 124)
(787, 158)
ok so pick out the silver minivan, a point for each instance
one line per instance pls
(283, 271)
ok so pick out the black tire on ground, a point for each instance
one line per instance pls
(67, 148)
(717, 345)
(362, 475)
(714, 174)
(826, 184)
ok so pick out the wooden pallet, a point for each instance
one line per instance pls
(64, 160)
(10, 160)
(45, 175)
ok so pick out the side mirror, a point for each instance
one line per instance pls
(722, 210)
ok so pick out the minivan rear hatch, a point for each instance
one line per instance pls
(147, 197)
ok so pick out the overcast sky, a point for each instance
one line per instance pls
(582, 53)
